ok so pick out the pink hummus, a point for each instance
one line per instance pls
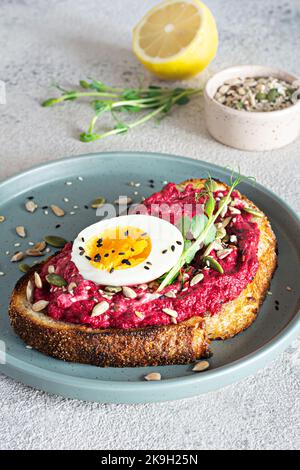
(207, 296)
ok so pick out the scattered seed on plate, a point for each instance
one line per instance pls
(40, 305)
(17, 244)
(80, 178)
(2, 218)
(124, 200)
(2, 273)
(23, 267)
(33, 252)
(40, 246)
(65, 199)
(58, 211)
(72, 213)
(17, 257)
(153, 377)
(68, 183)
(30, 206)
(201, 366)
(56, 280)
(289, 289)
(53, 240)
(98, 202)
(20, 230)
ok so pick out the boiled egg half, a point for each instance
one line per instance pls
(127, 250)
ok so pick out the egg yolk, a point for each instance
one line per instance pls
(118, 248)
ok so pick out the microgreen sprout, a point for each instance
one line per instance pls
(152, 102)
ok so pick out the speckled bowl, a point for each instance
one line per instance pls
(250, 130)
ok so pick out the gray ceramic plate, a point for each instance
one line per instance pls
(108, 175)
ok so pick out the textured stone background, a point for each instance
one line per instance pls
(64, 40)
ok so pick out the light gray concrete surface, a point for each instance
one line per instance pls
(64, 40)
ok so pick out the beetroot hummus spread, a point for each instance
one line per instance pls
(207, 296)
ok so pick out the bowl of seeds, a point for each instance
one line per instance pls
(252, 107)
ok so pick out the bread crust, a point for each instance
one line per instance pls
(151, 346)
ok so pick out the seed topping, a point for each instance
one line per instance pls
(100, 308)
(40, 305)
(201, 366)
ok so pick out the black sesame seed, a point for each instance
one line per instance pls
(122, 253)
(179, 243)
(276, 307)
(82, 239)
(126, 261)
(106, 255)
(30, 198)
(81, 253)
(89, 258)
(45, 207)
(164, 252)
(57, 226)
(112, 270)
(144, 234)
(86, 207)
(97, 258)
(126, 233)
(151, 185)
(151, 181)
(113, 251)
(173, 248)
(148, 262)
(81, 248)
(146, 267)
(132, 249)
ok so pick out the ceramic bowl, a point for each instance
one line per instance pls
(256, 131)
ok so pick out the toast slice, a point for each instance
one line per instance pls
(179, 343)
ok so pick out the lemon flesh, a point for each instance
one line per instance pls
(177, 39)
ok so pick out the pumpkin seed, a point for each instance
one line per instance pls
(56, 280)
(58, 211)
(196, 279)
(113, 289)
(100, 308)
(53, 240)
(99, 202)
(23, 267)
(170, 312)
(20, 230)
(129, 293)
(153, 376)
(210, 262)
(33, 252)
(31, 206)
(38, 280)
(29, 291)
(201, 366)
(17, 257)
(40, 305)
(2, 218)
(251, 211)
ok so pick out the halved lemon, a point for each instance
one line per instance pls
(176, 39)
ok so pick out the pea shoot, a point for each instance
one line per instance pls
(152, 102)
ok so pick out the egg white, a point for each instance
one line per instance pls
(163, 236)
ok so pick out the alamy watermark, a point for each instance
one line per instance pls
(2, 93)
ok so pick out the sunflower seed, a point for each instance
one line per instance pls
(2, 218)
(113, 289)
(23, 267)
(100, 308)
(196, 279)
(29, 291)
(38, 280)
(222, 254)
(17, 257)
(170, 294)
(129, 293)
(51, 269)
(209, 249)
(30, 206)
(40, 305)
(33, 252)
(58, 211)
(153, 376)
(53, 240)
(201, 366)
(56, 280)
(170, 312)
(234, 210)
(71, 287)
(40, 246)
(20, 230)
(224, 211)
(139, 314)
